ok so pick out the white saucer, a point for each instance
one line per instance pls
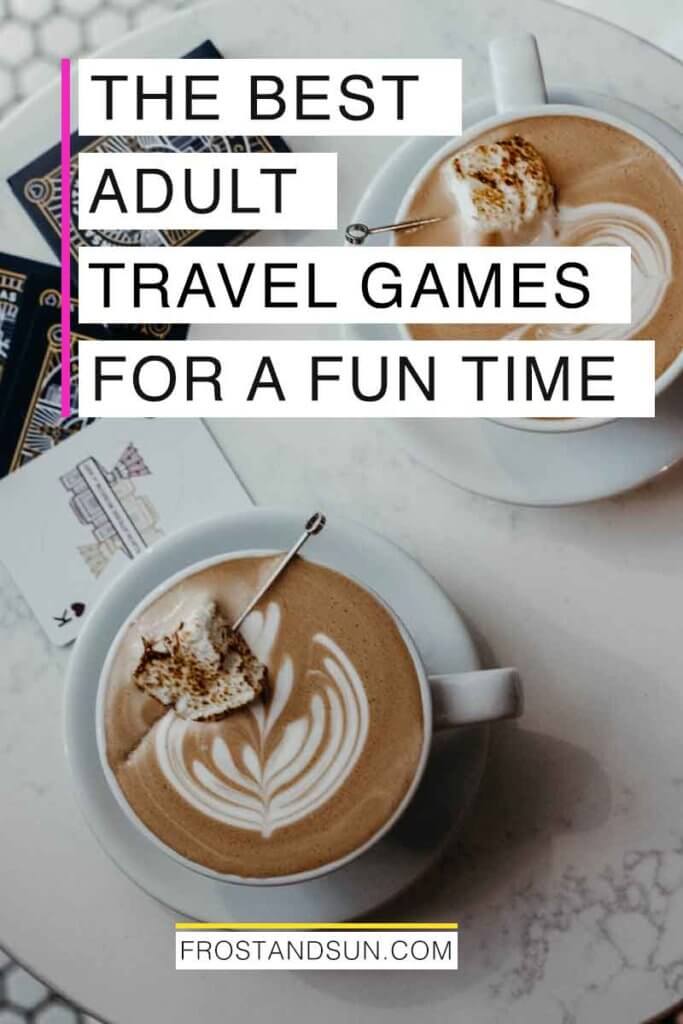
(454, 769)
(509, 464)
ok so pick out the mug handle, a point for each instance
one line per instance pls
(517, 73)
(467, 698)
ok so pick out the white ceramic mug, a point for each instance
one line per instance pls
(448, 700)
(519, 92)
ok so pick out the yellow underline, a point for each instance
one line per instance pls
(439, 926)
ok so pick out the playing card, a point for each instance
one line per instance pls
(30, 305)
(38, 187)
(21, 282)
(31, 421)
(72, 521)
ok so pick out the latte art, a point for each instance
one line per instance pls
(309, 771)
(267, 784)
(611, 224)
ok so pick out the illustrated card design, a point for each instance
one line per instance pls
(72, 521)
(31, 421)
(38, 188)
(21, 282)
(30, 338)
(106, 500)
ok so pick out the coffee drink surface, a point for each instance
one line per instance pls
(610, 189)
(297, 779)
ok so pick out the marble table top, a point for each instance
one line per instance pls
(567, 878)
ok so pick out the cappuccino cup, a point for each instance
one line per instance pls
(303, 781)
(615, 185)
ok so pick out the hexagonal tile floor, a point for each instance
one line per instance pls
(24, 999)
(34, 34)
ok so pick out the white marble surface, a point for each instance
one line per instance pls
(660, 22)
(568, 877)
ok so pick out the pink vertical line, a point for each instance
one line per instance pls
(66, 236)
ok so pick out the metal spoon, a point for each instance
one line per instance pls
(313, 526)
(356, 234)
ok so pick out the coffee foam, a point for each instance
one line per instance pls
(295, 780)
(610, 189)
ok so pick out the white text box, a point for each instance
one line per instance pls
(209, 191)
(365, 949)
(250, 379)
(318, 96)
(335, 284)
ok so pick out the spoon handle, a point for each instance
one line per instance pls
(313, 526)
(356, 234)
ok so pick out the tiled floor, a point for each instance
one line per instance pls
(24, 999)
(34, 34)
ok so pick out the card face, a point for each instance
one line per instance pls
(31, 422)
(37, 186)
(73, 521)
(30, 342)
(21, 282)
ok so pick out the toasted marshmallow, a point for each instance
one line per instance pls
(500, 186)
(204, 669)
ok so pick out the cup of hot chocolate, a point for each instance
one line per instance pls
(288, 754)
(547, 173)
